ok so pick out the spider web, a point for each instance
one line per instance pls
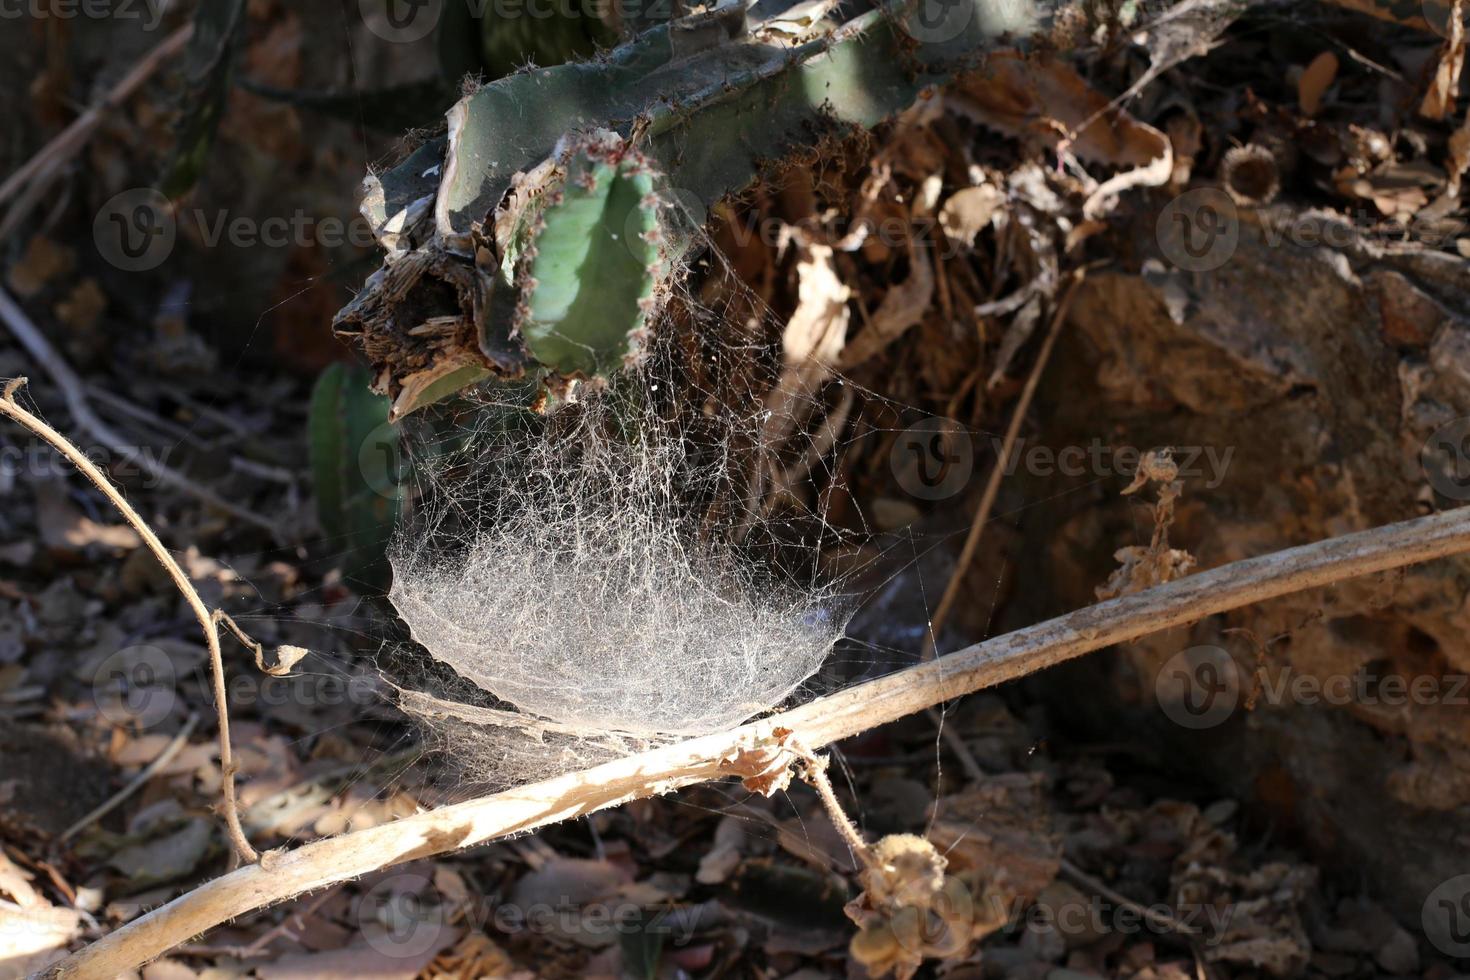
(641, 560)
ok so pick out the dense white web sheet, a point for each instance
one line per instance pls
(588, 599)
(631, 565)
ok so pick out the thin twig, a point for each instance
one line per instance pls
(70, 140)
(1160, 920)
(750, 749)
(1002, 466)
(263, 471)
(124, 407)
(11, 408)
(75, 393)
(814, 771)
(137, 782)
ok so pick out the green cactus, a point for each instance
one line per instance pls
(707, 102)
(357, 472)
(590, 261)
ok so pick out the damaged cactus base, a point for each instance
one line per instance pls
(570, 299)
(542, 234)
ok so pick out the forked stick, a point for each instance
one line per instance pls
(758, 748)
(208, 621)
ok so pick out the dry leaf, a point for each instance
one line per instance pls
(1395, 201)
(969, 210)
(287, 657)
(812, 342)
(17, 553)
(902, 307)
(725, 856)
(34, 937)
(765, 770)
(43, 261)
(1047, 103)
(1439, 100)
(65, 528)
(359, 961)
(1186, 137)
(1143, 567)
(1316, 79)
(427, 386)
(1459, 155)
(168, 970)
(15, 885)
(83, 306)
(475, 956)
(170, 856)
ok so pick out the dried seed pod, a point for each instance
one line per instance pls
(1250, 175)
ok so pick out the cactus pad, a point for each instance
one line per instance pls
(591, 261)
